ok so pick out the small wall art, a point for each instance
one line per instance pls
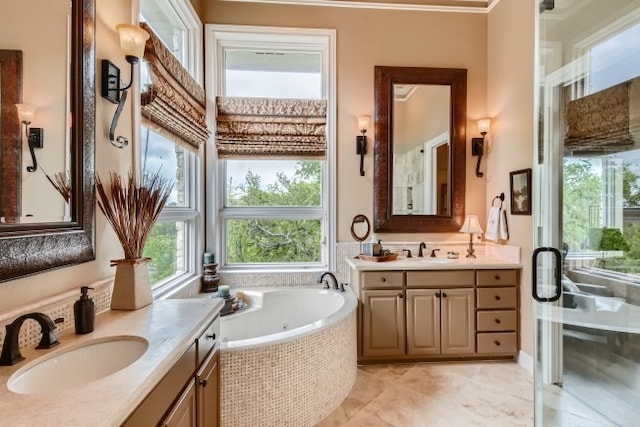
(520, 192)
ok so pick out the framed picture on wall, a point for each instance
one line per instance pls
(520, 192)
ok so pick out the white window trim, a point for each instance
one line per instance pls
(193, 213)
(218, 37)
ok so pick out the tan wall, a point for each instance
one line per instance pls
(510, 100)
(35, 288)
(366, 38)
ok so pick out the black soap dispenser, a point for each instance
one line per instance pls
(84, 311)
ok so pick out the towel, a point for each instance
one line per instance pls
(497, 225)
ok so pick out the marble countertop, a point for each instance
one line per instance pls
(170, 326)
(439, 263)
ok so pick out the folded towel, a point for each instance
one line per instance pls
(497, 225)
(493, 224)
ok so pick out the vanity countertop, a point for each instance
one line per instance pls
(170, 326)
(439, 263)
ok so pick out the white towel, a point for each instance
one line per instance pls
(497, 225)
(493, 224)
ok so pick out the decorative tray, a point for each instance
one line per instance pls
(390, 257)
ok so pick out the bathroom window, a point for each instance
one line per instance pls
(176, 237)
(273, 213)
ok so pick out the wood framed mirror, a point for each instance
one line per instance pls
(28, 245)
(419, 149)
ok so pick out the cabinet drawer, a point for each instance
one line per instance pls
(439, 279)
(500, 342)
(489, 321)
(208, 340)
(382, 279)
(497, 297)
(497, 277)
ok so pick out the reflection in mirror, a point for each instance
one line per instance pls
(54, 225)
(421, 149)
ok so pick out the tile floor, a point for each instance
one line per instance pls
(460, 394)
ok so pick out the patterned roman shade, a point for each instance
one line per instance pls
(271, 127)
(174, 104)
(605, 122)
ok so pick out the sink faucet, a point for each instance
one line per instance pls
(433, 253)
(10, 348)
(422, 246)
(333, 278)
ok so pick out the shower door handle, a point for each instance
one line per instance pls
(534, 273)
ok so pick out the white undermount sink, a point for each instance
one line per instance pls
(78, 365)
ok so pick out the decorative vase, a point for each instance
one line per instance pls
(131, 287)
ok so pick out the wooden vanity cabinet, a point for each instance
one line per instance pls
(188, 395)
(437, 314)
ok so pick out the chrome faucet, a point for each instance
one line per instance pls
(326, 284)
(422, 246)
(11, 349)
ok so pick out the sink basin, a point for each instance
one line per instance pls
(428, 260)
(78, 365)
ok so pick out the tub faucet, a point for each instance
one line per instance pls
(326, 284)
(422, 246)
(10, 348)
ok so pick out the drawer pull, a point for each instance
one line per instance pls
(497, 343)
(400, 295)
(497, 297)
(211, 336)
(497, 277)
(203, 383)
(498, 321)
(383, 279)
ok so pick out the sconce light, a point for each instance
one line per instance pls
(477, 144)
(471, 226)
(35, 136)
(361, 140)
(132, 42)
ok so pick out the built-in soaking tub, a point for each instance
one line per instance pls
(289, 359)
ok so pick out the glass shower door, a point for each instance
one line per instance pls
(586, 279)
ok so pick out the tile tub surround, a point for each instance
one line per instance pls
(170, 326)
(294, 383)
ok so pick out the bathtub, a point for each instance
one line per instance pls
(289, 359)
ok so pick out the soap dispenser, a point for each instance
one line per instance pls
(84, 311)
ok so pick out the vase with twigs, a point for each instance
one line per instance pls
(132, 206)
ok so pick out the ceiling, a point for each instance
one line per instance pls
(466, 6)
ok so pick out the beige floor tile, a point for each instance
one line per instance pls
(506, 377)
(490, 404)
(388, 372)
(438, 380)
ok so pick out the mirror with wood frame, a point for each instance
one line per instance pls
(419, 149)
(63, 232)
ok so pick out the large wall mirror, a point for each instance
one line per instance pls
(419, 149)
(47, 57)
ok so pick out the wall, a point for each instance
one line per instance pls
(36, 288)
(366, 38)
(510, 104)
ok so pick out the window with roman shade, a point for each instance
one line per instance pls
(271, 127)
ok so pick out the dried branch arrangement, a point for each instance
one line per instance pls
(132, 207)
(61, 181)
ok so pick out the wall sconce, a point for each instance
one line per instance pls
(471, 226)
(132, 43)
(361, 140)
(477, 144)
(35, 136)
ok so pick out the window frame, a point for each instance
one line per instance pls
(217, 39)
(191, 213)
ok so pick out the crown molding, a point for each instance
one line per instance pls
(456, 6)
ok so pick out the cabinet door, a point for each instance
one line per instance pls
(423, 321)
(383, 323)
(208, 380)
(183, 413)
(458, 321)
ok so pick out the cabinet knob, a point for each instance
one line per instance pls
(438, 294)
(497, 277)
(497, 343)
(400, 295)
(203, 383)
(444, 295)
(211, 336)
(497, 297)
(383, 279)
(498, 321)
